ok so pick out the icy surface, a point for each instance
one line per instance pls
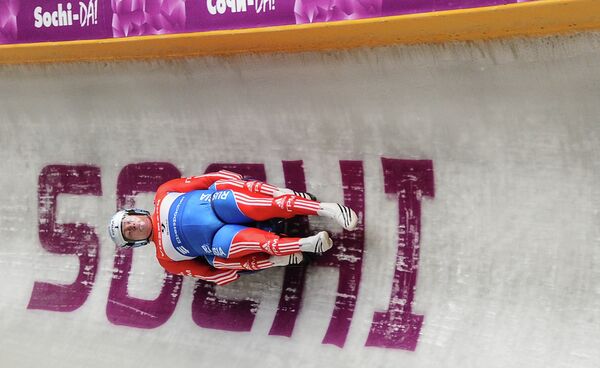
(507, 244)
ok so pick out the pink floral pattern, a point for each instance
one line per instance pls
(147, 17)
(312, 11)
(9, 9)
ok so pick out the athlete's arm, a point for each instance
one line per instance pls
(199, 269)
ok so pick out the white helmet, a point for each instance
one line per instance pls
(116, 226)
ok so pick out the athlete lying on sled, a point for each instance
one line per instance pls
(201, 226)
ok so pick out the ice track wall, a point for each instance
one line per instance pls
(474, 168)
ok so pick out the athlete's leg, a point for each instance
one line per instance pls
(255, 261)
(244, 207)
(235, 241)
(240, 206)
(255, 186)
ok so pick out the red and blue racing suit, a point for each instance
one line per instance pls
(200, 225)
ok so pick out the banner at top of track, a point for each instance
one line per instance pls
(28, 21)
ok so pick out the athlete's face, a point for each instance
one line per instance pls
(136, 227)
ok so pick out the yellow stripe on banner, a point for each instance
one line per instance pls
(536, 18)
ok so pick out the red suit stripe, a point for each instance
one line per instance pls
(252, 262)
(259, 207)
(251, 186)
(252, 240)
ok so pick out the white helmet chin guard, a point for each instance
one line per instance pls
(116, 226)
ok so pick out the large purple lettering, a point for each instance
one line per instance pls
(293, 279)
(76, 239)
(398, 328)
(210, 311)
(121, 308)
(346, 255)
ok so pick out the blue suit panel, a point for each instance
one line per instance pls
(195, 228)
(193, 223)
